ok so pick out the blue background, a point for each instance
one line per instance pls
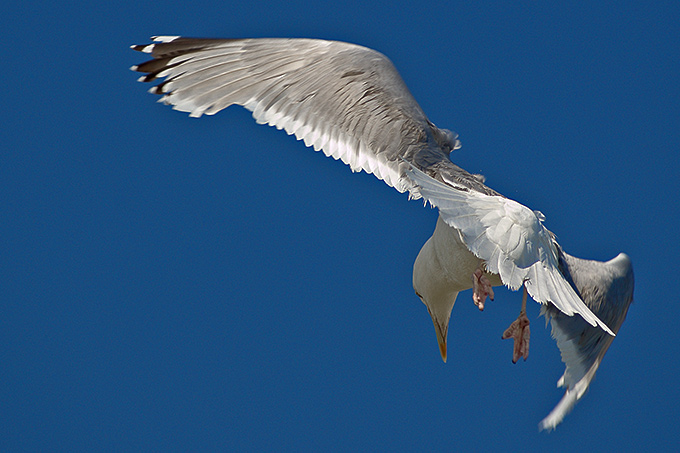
(178, 284)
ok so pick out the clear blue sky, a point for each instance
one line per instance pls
(179, 284)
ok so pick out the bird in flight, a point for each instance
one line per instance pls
(350, 102)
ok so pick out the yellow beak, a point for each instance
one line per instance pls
(441, 332)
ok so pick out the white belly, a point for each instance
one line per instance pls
(454, 260)
(443, 268)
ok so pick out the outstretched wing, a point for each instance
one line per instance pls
(344, 99)
(607, 288)
(510, 238)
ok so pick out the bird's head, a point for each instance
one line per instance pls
(431, 285)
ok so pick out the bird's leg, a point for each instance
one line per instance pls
(519, 332)
(481, 288)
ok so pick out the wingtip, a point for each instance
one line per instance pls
(164, 38)
(556, 416)
(606, 328)
(597, 322)
(544, 426)
(148, 48)
(145, 48)
(623, 263)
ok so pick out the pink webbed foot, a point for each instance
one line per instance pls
(519, 332)
(481, 288)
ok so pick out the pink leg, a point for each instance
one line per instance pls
(481, 288)
(519, 331)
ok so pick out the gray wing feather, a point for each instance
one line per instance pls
(607, 289)
(344, 99)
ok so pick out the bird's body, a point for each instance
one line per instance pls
(445, 261)
(443, 268)
(351, 103)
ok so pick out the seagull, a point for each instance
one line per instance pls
(350, 102)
